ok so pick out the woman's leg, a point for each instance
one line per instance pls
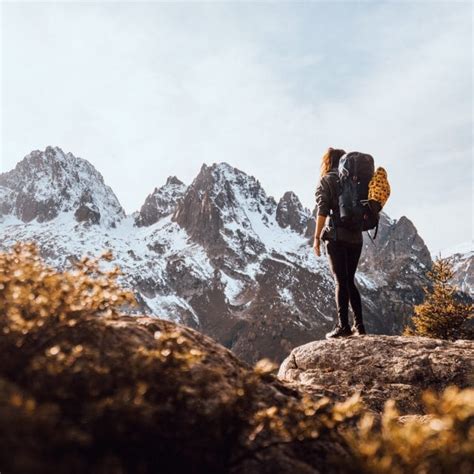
(337, 254)
(353, 256)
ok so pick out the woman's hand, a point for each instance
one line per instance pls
(320, 221)
(317, 246)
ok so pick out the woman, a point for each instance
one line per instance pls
(343, 247)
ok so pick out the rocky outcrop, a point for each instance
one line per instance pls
(142, 395)
(380, 367)
(49, 183)
(291, 213)
(161, 202)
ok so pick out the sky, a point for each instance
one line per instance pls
(148, 90)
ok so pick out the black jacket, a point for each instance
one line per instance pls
(327, 204)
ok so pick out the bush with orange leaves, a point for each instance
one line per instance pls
(33, 294)
(441, 442)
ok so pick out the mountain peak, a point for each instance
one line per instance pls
(220, 199)
(291, 213)
(217, 174)
(173, 181)
(232, 185)
(221, 167)
(161, 202)
(48, 183)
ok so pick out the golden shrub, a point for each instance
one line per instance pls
(440, 443)
(33, 294)
(302, 420)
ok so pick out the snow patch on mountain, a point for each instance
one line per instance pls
(464, 248)
(170, 307)
(232, 288)
(64, 240)
(366, 281)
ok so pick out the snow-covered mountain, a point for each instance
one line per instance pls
(462, 256)
(218, 255)
(46, 185)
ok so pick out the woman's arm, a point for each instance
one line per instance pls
(323, 196)
(320, 221)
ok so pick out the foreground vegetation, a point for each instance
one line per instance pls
(83, 388)
(442, 315)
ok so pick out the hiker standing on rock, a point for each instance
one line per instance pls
(350, 196)
(343, 246)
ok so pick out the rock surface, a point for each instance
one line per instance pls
(108, 396)
(380, 367)
(291, 213)
(161, 202)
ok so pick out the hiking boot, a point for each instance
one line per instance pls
(339, 331)
(358, 330)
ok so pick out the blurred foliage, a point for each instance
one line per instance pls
(440, 443)
(33, 294)
(442, 315)
(84, 388)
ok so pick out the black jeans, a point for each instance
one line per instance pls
(343, 260)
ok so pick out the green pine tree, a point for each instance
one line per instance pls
(441, 315)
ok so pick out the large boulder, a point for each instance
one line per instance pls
(125, 394)
(380, 367)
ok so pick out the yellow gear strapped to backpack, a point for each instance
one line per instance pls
(379, 187)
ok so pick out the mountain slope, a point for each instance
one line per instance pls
(219, 255)
(462, 257)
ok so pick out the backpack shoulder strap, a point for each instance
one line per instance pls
(375, 234)
(376, 230)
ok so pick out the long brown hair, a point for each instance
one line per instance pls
(330, 159)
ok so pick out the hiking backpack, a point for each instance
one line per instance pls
(362, 192)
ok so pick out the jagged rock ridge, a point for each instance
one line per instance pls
(380, 368)
(161, 202)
